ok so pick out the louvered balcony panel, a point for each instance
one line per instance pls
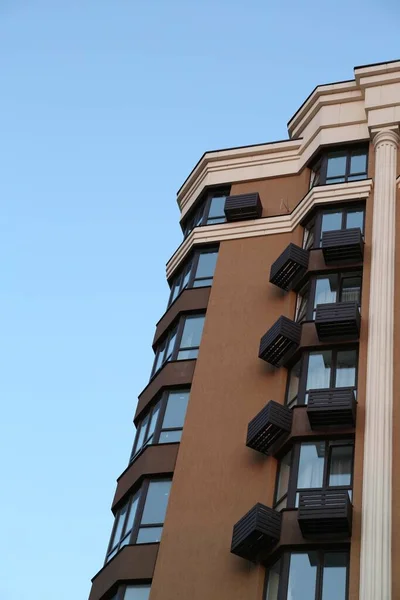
(259, 530)
(291, 265)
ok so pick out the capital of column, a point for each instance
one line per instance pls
(386, 135)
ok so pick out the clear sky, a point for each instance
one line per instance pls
(105, 107)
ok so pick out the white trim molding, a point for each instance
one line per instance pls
(376, 534)
(340, 192)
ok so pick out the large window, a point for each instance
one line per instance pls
(163, 423)
(140, 520)
(332, 219)
(312, 575)
(321, 369)
(340, 166)
(324, 289)
(133, 592)
(181, 342)
(209, 211)
(198, 272)
(318, 465)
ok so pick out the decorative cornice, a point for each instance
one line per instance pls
(342, 192)
(337, 113)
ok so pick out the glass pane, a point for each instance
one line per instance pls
(153, 422)
(351, 289)
(159, 356)
(346, 368)
(142, 432)
(202, 282)
(120, 524)
(331, 221)
(315, 176)
(355, 218)
(132, 514)
(357, 177)
(137, 592)
(185, 278)
(337, 165)
(334, 576)
(206, 264)
(175, 288)
(319, 370)
(217, 207)
(326, 290)
(341, 465)
(167, 437)
(113, 553)
(147, 535)
(192, 332)
(302, 576)
(188, 354)
(273, 581)
(302, 304)
(170, 346)
(293, 389)
(358, 162)
(311, 465)
(176, 410)
(156, 502)
(309, 235)
(283, 477)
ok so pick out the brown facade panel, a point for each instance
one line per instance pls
(132, 563)
(173, 374)
(216, 478)
(190, 300)
(159, 459)
(278, 195)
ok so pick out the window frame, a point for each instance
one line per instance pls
(199, 215)
(176, 330)
(162, 402)
(315, 222)
(304, 362)
(284, 570)
(292, 489)
(311, 287)
(141, 493)
(190, 267)
(121, 591)
(319, 169)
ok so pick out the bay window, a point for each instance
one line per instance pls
(321, 369)
(198, 272)
(181, 342)
(325, 289)
(317, 465)
(209, 211)
(140, 519)
(309, 575)
(333, 219)
(340, 166)
(133, 592)
(163, 423)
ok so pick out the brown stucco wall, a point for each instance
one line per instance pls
(278, 195)
(217, 479)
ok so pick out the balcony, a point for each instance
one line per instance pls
(325, 513)
(243, 207)
(272, 423)
(259, 530)
(278, 344)
(339, 320)
(343, 246)
(332, 407)
(291, 265)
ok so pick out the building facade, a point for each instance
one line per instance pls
(267, 445)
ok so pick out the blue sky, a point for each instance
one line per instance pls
(105, 107)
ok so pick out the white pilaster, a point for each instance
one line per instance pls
(376, 535)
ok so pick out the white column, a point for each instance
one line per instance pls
(376, 534)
